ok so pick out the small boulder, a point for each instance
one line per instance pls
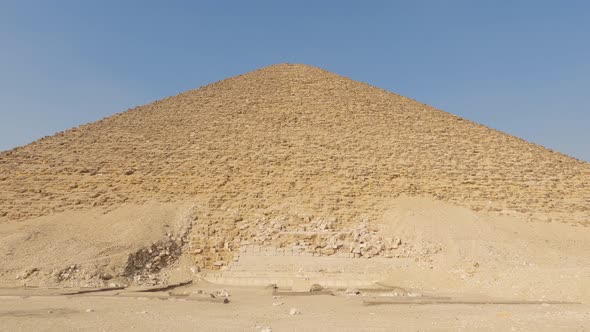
(352, 291)
(316, 288)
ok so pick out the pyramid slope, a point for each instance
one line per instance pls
(285, 139)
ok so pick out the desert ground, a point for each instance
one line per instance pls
(473, 271)
(255, 309)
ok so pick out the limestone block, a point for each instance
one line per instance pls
(301, 285)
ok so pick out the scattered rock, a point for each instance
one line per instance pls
(316, 288)
(27, 273)
(352, 291)
(294, 311)
(106, 276)
(220, 293)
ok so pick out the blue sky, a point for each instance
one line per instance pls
(522, 67)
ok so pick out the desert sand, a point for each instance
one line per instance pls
(291, 189)
(253, 310)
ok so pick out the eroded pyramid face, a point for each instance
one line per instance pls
(289, 137)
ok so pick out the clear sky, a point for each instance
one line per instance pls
(522, 67)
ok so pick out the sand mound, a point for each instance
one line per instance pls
(462, 251)
(90, 248)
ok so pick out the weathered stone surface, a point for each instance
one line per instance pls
(291, 157)
(301, 285)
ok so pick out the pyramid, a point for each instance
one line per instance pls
(289, 142)
(295, 134)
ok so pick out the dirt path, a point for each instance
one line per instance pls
(253, 309)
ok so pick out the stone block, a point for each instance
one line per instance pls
(301, 285)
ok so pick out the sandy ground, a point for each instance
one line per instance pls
(252, 309)
(451, 251)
